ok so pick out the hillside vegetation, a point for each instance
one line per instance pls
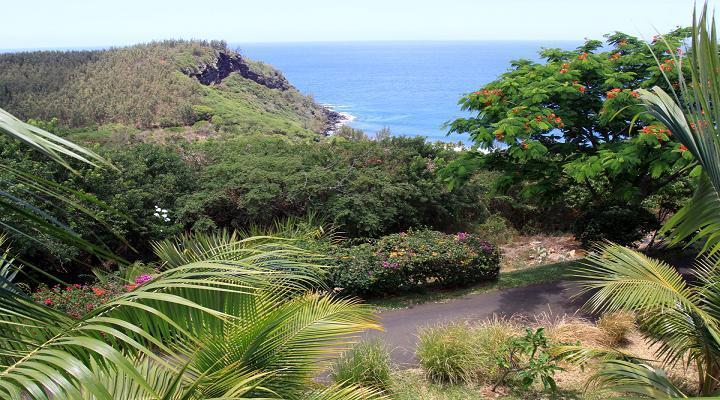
(156, 85)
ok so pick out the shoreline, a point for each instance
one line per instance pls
(336, 119)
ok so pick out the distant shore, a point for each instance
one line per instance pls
(336, 119)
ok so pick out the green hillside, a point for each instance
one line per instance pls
(157, 85)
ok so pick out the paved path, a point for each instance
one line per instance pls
(401, 325)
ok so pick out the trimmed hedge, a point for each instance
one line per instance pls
(412, 260)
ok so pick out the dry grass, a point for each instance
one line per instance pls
(617, 326)
(616, 331)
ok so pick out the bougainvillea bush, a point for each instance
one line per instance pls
(77, 300)
(412, 260)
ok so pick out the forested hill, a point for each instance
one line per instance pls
(160, 84)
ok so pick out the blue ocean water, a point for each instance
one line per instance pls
(411, 87)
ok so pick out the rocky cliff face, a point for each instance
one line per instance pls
(229, 63)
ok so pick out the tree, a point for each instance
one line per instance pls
(577, 119)
(683, 318)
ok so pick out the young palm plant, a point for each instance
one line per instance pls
(683, 319)
(250, 327)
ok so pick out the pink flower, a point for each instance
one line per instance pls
(462, 235)
(48, 302)
(142, 279)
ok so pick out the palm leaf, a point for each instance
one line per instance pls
(55, 147)
(637, 379)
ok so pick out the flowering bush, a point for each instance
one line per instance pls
(412, 260)
(77, 300)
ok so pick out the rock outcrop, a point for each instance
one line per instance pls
(228, 63)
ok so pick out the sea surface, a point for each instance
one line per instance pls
(412, 88)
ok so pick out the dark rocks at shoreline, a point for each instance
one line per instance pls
(334, 121)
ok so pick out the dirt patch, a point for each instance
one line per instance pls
(528, 251)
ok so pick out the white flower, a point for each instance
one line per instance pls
(157, 215)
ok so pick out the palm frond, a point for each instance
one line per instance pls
(623, 279)
(350, 392)
(226, 246)
(637, 379)
(229, 321)
(55, 147)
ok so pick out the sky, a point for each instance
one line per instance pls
(101, 23)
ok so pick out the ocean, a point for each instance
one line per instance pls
(410, 87)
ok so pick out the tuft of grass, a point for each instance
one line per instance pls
(464, 353)
(529, 276)
(366, 364)
(616, 326)
(490, 338)
(447, 355)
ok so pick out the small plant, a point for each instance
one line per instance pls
(447, 354)
(616, 326)
(366, 364)
(527, 358)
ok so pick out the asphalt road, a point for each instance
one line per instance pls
(401, 325)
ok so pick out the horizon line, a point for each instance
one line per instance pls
(289, 42)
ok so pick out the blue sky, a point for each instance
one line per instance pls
(86, 23)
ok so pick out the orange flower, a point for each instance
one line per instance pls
(612, 93)
(682, 148)
(583, 56)
(98, 291)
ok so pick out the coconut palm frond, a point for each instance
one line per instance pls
(675, 316)
(55, 147)
(623, 279)
(350, 392)
(224, 245)
(638, 379)
(215, 326)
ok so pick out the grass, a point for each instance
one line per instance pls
(366, 364)
(540, 274)
(411, 385)
(464, 352)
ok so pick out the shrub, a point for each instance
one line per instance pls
(76, 300)
(447, 354)
(412, 260)
(616, 326)
(367, 364)
(496, 229)
(620, 224)
(527, 359)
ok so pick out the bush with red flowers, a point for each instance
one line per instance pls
(77, 300)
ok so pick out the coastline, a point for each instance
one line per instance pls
(336, 119)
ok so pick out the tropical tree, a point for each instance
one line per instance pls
(683, 319)
(569, 136)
